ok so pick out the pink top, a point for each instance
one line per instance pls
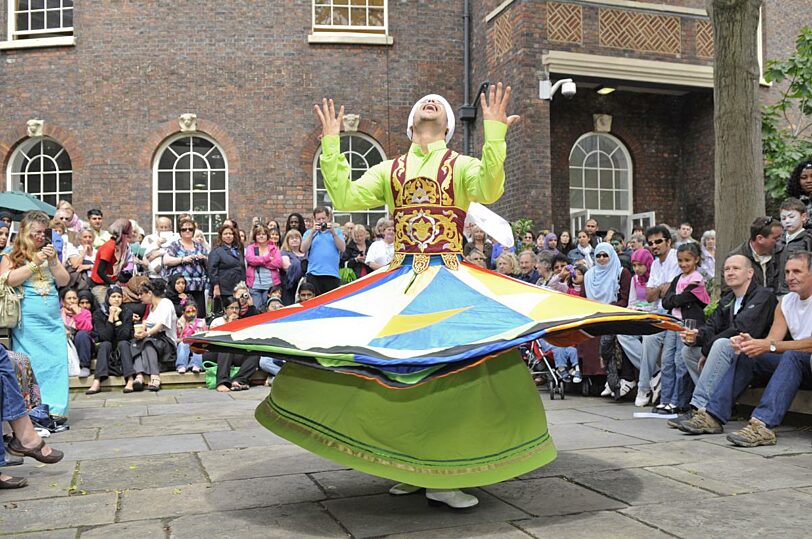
(195, 326)
(82, 321)
(272, 260)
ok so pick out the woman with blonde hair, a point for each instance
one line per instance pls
(507, 263)
(33, 265)
(73, 223)
(294, 265)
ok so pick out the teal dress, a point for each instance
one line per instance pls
(41, 336)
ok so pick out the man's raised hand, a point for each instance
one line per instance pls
(495, 108)
(330, 122)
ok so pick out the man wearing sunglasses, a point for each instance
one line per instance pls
(764, 234)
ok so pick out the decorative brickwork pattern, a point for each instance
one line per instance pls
(502, 36)
(704, 39)
(565, 23)
(639, 31)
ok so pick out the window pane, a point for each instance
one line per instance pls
(577, 157)
(67, 18)
(377, 3)
(620, 160)
(341, 16)
(622, 179)
(358, 17)
(35, 165)
(49, 147)
(201, 145)
(63, 161)
(165, 202)
(322, 15)
(200, 181)
(591, 199)
(607, 200)
(591, 160)
(357, 161)
(164, 181)
(34, 184)
(218, 179)
(576, 177)
(605, 162)
(49, 183)
(182, 181)
(22, 22)
(53, 19)
(200, 163)
(184, 163)
(376, 17)
(37, 20)
(218, 202)
(182, 145)
(48, 165)
(182, 202)
(576, 198)
(621, 200)
(65, 182)
(50, 199)
(606, 179)
(200, 202)
(167, 160)
(37, 4)
(591, 178)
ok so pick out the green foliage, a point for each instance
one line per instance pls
(786, 125)
(520, 227)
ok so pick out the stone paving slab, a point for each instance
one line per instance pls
(691, 450)
(574, 436)
(141, 472)
(143, 529)
(609, 408)
(781, 514)
(185, 396)
(134, 399)
(639, 486)
(93, 417)
(44, 481)
(603, 524)
(349, 483)
(282, 522)
(564, 416)
(652, 430)
(243, 423)
(203, 498)
(372, 516)
(191, 426)
(803, 460)
(551, 496)
(490, 530)
(270, 461)
(788, 443)
(130, 447)
(255, 394)
(68, 512)
(570, 463)
(198, 410)
(65, 533)
(83, 434)
(255, 437)
(86, 403)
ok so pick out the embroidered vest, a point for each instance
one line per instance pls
(426, 220)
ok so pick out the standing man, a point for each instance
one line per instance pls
(95, 219)
(764, 234)
(591, 226)
(684, 234)
(323, 244)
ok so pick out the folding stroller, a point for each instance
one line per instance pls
(541, 367)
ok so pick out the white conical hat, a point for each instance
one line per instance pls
(449, 112)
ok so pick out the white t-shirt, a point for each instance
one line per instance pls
(164, 314)
(663, 272)
(798, 314)
(150, 244)
(380, 252)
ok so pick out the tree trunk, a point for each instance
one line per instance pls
(739, 172)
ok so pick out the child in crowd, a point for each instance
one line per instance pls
(188, 325)
(795, 238)
(575, 283)
(686, 299)
(565, 358)
(306, 292)
(641, 264)
(176, 293)
(268, 364)
(78, 326)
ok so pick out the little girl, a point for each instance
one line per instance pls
(188, 325)
(641, 263)
(686, 299)
(576, 281)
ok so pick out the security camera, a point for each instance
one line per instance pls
(547, 89)
(568, 89)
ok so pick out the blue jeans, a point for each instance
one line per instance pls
(84, 347)
(676, 380)
(183, 359)
(719, 360)
(270, 365)
(793, 372)
(746, 370)
(12, 405)
(633, 348)
(260, 298)
(562, 356)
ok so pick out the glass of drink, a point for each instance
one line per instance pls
(690, 330)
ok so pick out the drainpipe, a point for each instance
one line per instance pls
(466, 39)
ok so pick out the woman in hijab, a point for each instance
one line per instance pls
(550, 244)
(641, 262)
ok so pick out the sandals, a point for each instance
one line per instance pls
(13, 482)
(138, 385)
(154, 384)
(236, 386)
(92, 391)
(15, 447)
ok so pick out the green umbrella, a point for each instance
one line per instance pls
(18, 203)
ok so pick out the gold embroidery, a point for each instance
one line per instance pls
(451, 261)
(397, 261)
(420, 263)
(39, 282)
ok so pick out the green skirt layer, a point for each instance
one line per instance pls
(478, 427)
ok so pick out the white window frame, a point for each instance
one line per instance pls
(26, 39)
(321, 198)
(349, 33)
(174, 213)
(13, 178)
(586, 213)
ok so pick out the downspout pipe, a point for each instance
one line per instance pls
(466, 38)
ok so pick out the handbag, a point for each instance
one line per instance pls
(210, 368)
(73, 359)
(9, 303)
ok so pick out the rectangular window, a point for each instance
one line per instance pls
(350, 21)
(39, 23)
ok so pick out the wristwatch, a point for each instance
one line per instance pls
(772, 347)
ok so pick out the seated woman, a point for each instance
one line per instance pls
(294, 265)
(78, 327)
(155, 341)
(114, 331)
(25, 442)
(188, 325)
(243, 296)
(176, 293)
(507, 263)
(248, 364)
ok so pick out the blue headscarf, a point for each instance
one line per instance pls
(603, 281)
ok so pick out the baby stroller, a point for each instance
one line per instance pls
(540, 366)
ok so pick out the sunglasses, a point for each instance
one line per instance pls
(601, 255)
(652, 243)
(187, 229)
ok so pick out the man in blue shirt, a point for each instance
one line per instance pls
(323, 244)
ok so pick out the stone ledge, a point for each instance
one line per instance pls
(802, 404)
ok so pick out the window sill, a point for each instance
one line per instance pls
(62, 41)
(349, 38)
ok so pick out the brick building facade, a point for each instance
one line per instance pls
(111, 91)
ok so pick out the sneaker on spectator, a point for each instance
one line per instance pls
(576, 376)
(661, 409)
(753, 434)
(607, 391)
(655, 387)
(626, 386)
(181, 370)
(564, 374)
(677, 421)
(84, 372)
(643, 398)
(701, 423)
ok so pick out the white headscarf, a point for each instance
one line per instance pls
(449, 112)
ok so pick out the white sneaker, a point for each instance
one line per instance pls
(606, 390)
(84, 372)
(655, 386)
(455, 498)
(626, 386)
(643, 398)
(576, 377)
(402, 489)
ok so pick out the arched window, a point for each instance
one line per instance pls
(41, 167)
(600, 182)
(190, 175)
(362, 153)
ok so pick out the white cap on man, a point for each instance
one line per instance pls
(449, 112)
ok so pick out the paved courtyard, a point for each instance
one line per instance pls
(194, 463)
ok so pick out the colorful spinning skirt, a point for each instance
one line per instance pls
(415, 376)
